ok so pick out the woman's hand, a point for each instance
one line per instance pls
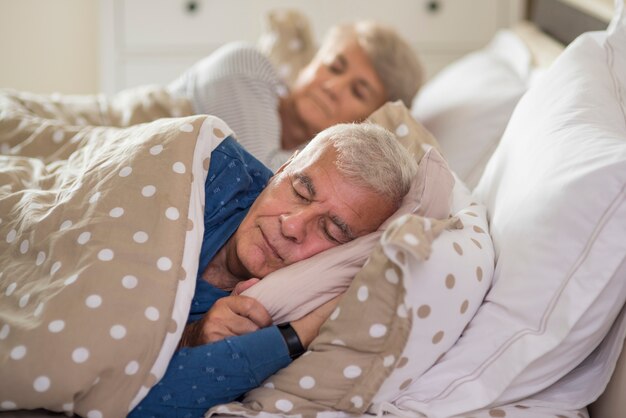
(229, 316)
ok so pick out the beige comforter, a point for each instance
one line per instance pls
(100, 231)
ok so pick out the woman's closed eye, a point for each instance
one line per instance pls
(338, 65)
(359, 91)
(335, 69)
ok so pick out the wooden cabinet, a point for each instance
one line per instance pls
(152, 41)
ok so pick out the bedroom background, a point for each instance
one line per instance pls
(49, 46)
(124, 48)
(83, 47)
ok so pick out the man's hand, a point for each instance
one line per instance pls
(244, 285)
(229, 316)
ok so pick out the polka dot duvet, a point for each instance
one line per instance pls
(99, 243)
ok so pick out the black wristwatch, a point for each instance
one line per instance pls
(294, 345)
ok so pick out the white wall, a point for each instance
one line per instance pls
(52, 45)
(49, 46)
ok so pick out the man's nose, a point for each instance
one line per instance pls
(294, 225)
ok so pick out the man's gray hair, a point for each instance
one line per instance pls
(393, 59)
(368, 155)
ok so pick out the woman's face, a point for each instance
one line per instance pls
(337, 87)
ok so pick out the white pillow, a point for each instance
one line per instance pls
(556, 195)
(468, 104)
(443, 293)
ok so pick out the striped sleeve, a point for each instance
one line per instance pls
(238, 84)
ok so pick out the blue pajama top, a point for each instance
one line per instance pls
(198, 378)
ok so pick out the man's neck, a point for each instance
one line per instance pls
(217, 272)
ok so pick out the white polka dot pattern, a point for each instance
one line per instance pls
(363, 337)
(164, 263)
(368, 333)
(152, 313)
(140, 237)
(70, 279)
(116, 212)
(41, 257)
(18, 353)
(129, 282)
(118, 332)
(93, 301)
(283, 405)
(83, 238)
(80, 355)
(307, 382)
(55, 267)
(101, 227)
(41, 384)
(106, 254)
(148, 191)
(56, 325)
(131, 368)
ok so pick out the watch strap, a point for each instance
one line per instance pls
(294, 345)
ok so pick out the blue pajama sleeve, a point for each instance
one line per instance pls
(200, 377)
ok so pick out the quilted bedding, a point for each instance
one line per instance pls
(100, 231)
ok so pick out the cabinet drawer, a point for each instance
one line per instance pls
(191, 24)
(174, 24)
(437, 24)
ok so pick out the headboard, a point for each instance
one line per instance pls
(564, 20)
(552, 24)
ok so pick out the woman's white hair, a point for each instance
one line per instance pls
(368, 155)
(393, 59)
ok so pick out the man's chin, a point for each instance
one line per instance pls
(256, 267)
(263, 270)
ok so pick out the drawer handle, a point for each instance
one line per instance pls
(433, 6)
(192, 7)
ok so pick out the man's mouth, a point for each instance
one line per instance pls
(270, 246)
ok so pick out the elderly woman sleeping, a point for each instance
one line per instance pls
(358, 68)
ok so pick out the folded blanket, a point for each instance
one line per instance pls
(99, 244)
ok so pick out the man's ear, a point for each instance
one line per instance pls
(282, 167)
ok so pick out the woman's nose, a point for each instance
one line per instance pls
(335, 85)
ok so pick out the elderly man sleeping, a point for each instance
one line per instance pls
(322, 197)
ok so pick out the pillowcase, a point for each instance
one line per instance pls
(362, 339)
(311, 282)
(444, 292)
(288, 42)
(556, 195)
(468, 104)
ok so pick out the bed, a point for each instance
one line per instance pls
(534, 321)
